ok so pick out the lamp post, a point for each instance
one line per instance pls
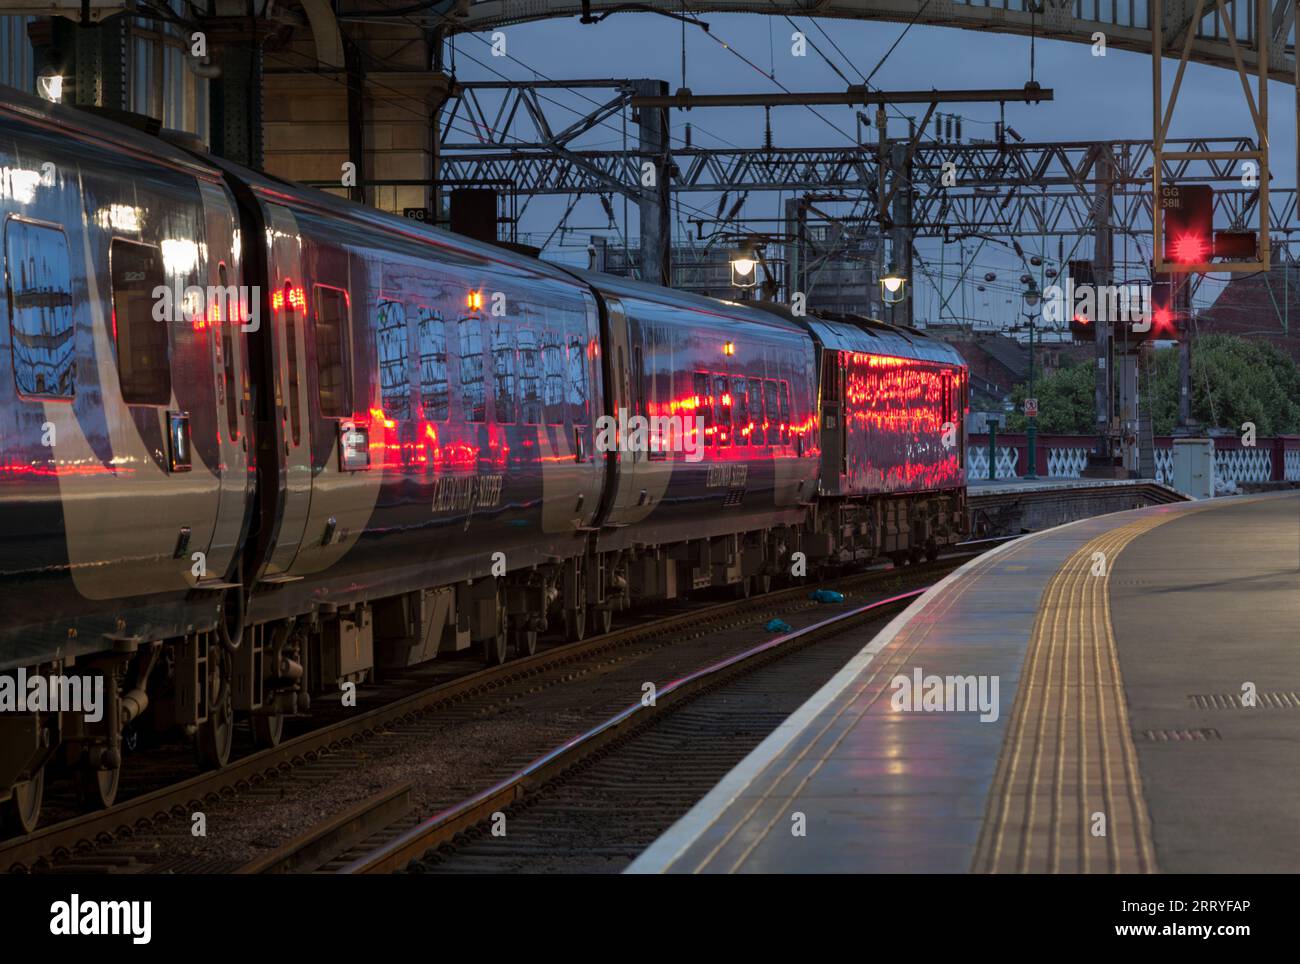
(1031, 431)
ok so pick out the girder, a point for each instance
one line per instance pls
(1007, 189)
(1125, 23)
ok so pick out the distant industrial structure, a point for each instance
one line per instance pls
(840, 268)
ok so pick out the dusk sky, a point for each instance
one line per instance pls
(1095, 98)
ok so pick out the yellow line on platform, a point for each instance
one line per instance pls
(1067, 794)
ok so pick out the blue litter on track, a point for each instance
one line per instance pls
(826, 596)
(778, 626)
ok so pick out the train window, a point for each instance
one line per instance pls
(740, 403)
(702, 404)
(394, 350)
(722, 409)
(771, 412)
(143, 365)
(331, 352)
(229, 380)
(291, 339)
(503, 372)
(431, 334)
(785, 413)
(530, 378)
(471, 369)
(553, 376)
(831, 375)
(755, 386)
(577, 380)
(40, 309)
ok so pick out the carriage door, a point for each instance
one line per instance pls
(834, 453)
(229, 374)
(625, 354)
(948, 422)
(287, 300)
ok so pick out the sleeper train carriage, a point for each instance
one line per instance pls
(404, 443)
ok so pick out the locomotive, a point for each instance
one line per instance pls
(257, 443)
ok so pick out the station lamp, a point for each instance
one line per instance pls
(744, 261)
(49, 84)
(893, 286)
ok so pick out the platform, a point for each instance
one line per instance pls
(1018, 486)
(1009, 507)
(1117, 655)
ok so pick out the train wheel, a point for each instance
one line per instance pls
(602, 620)
(495, 649)
(575, 625)
(525, 642)
(268, 729)
(216, 735)
(96, 789)
(22, 812)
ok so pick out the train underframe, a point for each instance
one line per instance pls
(203, 684)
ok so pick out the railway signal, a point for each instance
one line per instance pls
(1165, 312)
(1188, 212)
(1082, 327)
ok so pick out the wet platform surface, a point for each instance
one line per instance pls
(1088, 724)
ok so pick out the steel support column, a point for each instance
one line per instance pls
(901, 172)
(1103, 272)
(1128, 411)
(654, 203)
(100, 73)
(236, 119)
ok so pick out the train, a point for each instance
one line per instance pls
(259, 444)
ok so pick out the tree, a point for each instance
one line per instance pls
(1236, 381)
(1233, 381)
(1066, 403)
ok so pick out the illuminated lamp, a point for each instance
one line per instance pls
(893, 287)
(744, 261)
(50, 84)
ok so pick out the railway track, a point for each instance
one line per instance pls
(132, 833)
(623, 778)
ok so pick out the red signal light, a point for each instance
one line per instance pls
(1190, 249)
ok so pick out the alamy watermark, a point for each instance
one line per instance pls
(210, 304)
(653, 433)
(1127, 304)
(126, 918)
(919, 693)
(21, 693)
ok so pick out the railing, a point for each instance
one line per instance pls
(1274, 459)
